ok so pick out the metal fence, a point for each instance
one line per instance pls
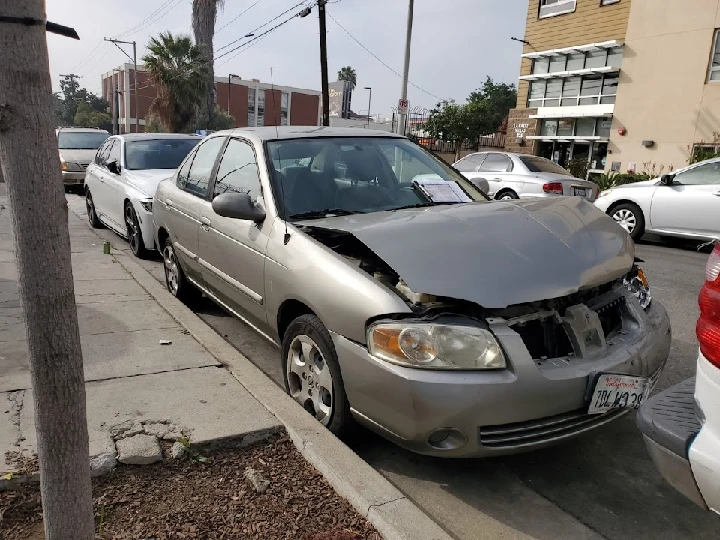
(415, 130)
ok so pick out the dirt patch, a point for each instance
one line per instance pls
(193, 498)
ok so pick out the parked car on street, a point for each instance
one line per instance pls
(121, 181)
(78, 147)
(404, 299)
(681, 425)
(684, 204)
(514, 176)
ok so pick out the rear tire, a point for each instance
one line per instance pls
(175, 281)
(309, 363)
(629, 217)
(507, 195)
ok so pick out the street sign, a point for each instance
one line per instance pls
(402, 106)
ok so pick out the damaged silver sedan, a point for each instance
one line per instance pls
(405, 300)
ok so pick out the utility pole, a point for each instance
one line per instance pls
(323, 64)
(134, 61)
(402, 116)
(115, 107)
(369, 89)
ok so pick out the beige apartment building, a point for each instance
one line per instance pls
(623, 84)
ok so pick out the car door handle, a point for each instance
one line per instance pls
(169, 203)
(717, 193)
(205, 222)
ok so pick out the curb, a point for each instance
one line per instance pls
(394, 515)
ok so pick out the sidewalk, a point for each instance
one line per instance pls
(198, 386)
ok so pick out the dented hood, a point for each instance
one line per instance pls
(495, 254)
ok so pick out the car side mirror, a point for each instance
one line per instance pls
(667, 179)
(238, 206)
(481, 184)
(113, 166)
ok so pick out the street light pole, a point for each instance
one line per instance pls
(402, 116)
(369, 102)
(323, 64)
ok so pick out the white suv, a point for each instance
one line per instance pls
(681, 425)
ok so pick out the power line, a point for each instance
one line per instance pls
(239, 15)
(376, 57)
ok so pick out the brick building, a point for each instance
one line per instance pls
(250, 102)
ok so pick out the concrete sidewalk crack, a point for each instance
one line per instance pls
(386, 502)
(16, 399)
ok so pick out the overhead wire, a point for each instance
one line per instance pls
(243, 12)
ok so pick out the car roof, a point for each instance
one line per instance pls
(272, 133)
(81, 130)
(156, 136)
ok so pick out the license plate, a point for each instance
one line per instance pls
(580, 192)
(618, 392)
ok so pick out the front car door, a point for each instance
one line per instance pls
(113, 186)
(691, 204)
(102, 191)
(185, 203)
(470, 165)
(232, 251)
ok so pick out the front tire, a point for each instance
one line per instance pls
(312, 373)
(175, 279)
(134, 234)
(94, 220)
(507, 195)
(629, 217)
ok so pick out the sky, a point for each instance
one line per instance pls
(455, 43)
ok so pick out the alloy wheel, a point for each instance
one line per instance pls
(309, 379)
(133, 229)
(90, 208)
(172, 271)
(626, 219)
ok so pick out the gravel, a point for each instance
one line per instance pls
(207, 496)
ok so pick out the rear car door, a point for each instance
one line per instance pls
(185, 204)
(232, 251)
(691, 205)
(496, 170)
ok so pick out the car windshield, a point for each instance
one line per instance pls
(315, 177)
(157, 153)
(542, 165)
(81, 140)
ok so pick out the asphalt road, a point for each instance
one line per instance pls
(601, 485)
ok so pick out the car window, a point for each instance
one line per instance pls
(105, 156)
(114, 154)
(157, 153)
(360, 175)
(202, 165)
(81, 140)
(183, 172)
(102, 153)
(496, 163)
(703, 175)
(538, 165)
(470, 163)
(238, 171)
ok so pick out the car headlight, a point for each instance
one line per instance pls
(71, 166)
(435, 346)
(147, 205)
(637, 283)
(604, 193)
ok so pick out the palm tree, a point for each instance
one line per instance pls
(204, 15)
(348, 74)
(178, 71)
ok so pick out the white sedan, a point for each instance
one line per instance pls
(684, 204)
(120, 183)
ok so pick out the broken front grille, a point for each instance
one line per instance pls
(611, 316)
(544, 338)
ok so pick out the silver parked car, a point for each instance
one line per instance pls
(404, 299)
(77, 147)
(684, 204)
(513, 176)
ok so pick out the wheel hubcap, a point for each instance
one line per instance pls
(133, 231)
(626, 219)
(172, 273)
(309, 378)
(90, 207)
(506, 197)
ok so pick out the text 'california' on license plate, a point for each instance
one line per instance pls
(618, 392)
(580, 192)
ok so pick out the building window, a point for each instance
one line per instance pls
(582, 60)
(550, 8)
(251, 107)
(284, 104)
(261, 108)
(715, 60)
(602, 129)
(588, 90)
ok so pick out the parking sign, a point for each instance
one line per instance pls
(402, 106)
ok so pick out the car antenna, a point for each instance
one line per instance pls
(286, 238)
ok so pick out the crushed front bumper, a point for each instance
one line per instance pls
(529, 405)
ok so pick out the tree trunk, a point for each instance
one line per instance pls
(31, 167)
(204, 13)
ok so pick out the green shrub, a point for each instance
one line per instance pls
(615, 179)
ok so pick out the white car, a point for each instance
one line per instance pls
(120, 183)
(684, 204)
(681, 425)
(514, 176)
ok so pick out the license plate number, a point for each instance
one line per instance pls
(580, 192)
(618, 392)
